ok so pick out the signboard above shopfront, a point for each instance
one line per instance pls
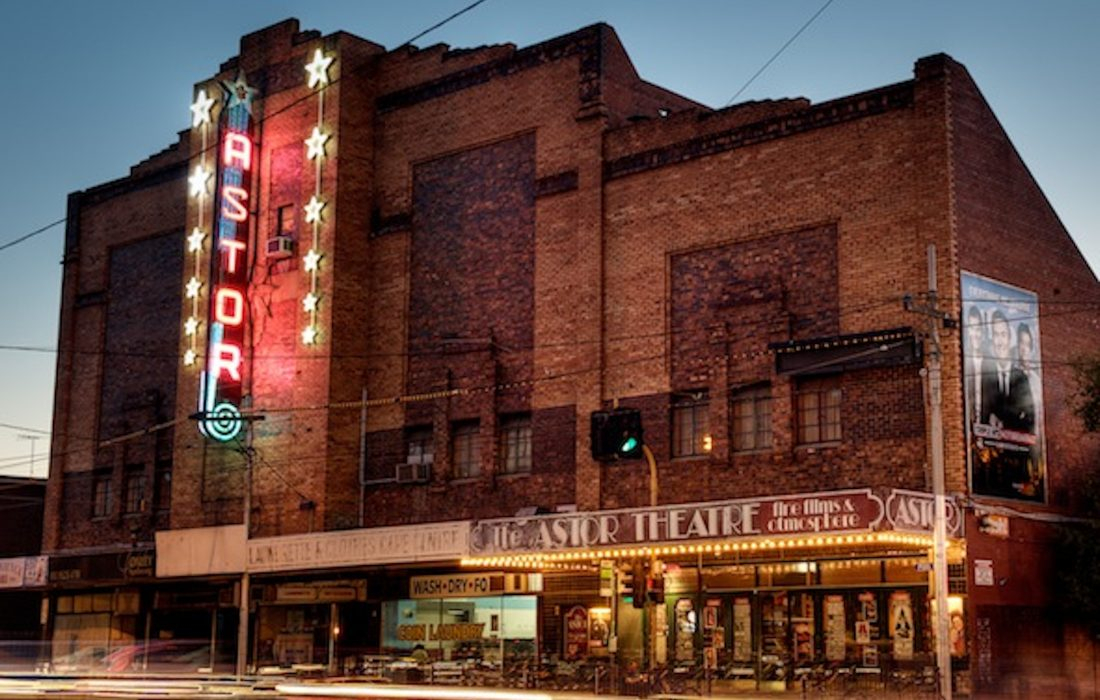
(384, 545)
(834, 512)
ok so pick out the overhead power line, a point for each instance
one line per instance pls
(32, 234)
(292, 104)
(780, 51)
(439, 24)
(24, 428)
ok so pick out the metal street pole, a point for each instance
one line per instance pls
(942, 621)
(654, 563)
(242, 622)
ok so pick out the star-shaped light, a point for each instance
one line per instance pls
(190, 325)
(318, 69)
(200, 109)
(313, 209)
(189, 357)
(198, 179)
(240, 93)
(309, 335)
(194, 241)
(309, 302)
(311, 259)
(316, 144)
(193, 286)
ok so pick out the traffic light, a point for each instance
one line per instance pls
(617, 434)
(626, 582)
(655, 589)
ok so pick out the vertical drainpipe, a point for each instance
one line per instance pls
(362, 455)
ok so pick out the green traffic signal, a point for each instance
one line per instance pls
(629, 445)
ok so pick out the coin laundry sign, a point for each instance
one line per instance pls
(221, 383)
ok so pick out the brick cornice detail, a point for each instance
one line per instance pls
(866, 104)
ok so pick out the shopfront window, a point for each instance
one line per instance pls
(492, 630)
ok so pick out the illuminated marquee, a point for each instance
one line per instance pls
(220, 390)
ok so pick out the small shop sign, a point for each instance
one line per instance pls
(456, 585)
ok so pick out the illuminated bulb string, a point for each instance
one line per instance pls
(200, 111)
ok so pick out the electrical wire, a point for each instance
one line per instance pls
(777, 53)
(439, 24)
(32, 234)
(848, 311)
(285, 108)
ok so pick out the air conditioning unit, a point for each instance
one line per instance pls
(280, 247)
(412, 473)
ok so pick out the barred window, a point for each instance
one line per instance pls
(817, 404)
(690, 429)
(752, 419)
(515, 444)
(466, 449)
(419, 445)
(134, 489)
(101, 495)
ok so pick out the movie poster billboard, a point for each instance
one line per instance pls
(1003, 389)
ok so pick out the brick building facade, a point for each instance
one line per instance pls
(511, 239)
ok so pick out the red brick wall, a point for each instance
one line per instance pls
(1007, 231)
(472, 268)
(119, 274)
(734, 298)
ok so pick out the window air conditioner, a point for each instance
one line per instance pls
(280, 247)
(413, 473)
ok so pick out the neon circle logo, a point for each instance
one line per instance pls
(220, 390)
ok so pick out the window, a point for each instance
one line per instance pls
(466, 449)
(752, 419)
(101, 495)
(690, 431)
(817, 406)
(420, 447)
(284, 221)
(515, 444)
(162, 486)
(134, 489)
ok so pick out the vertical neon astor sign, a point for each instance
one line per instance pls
(220, 390)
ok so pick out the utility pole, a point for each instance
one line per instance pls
(654, 566)
(941, 624)
(33, 439)
(242, 623)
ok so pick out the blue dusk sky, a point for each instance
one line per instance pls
(95, 86)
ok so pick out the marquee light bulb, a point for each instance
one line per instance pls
(316, 144)
(313, 209)
(200, 109)
(318, 69)
(309, 335)
(310, 302)
(189, 357)
(198, 181)
(194, 241)
(193, 286)
(311, 259)
(190, 326)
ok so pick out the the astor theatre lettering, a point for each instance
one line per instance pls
(833, 512)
